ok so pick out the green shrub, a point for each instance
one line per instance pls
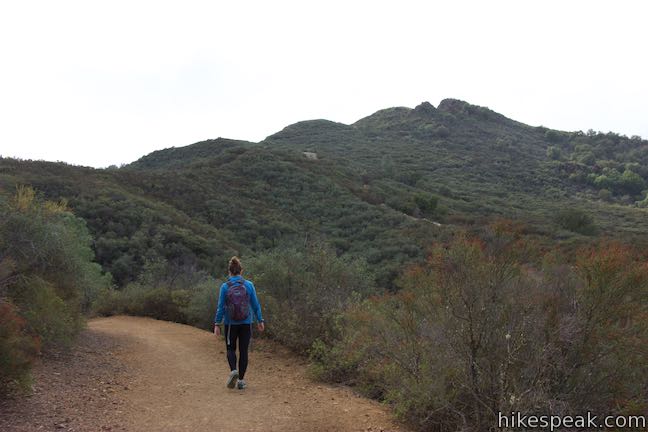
(576, 220)
(335, 362)
(46, 271)
(627, 183)
(605, 194)
(109, 302)
(402, 204)
(644, 202)
(552, 135)
(554, 152)
(201, 307)
(47, 315)
(427, 204)
(164, 304)
(442, 132)
(474, 332)
(632, 182)
(586, 158)
(303, 292)
(17, 350)
(141, 300)
(195, 305)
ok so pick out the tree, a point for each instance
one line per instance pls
(632, 182)
(427, 204)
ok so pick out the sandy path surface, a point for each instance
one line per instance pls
(170, 377)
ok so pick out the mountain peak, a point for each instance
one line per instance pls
(425, 108)
(454, 106)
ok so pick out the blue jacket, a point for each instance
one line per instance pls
(255, 307)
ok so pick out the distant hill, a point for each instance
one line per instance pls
(180, 156)
(382, 188)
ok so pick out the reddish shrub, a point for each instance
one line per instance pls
(17, 349)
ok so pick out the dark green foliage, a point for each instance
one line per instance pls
(576, 220)
(643, 203)
(474, 332)
(135, 299)
(194, 206)
(553, 153)
(165, 292)
(17, 350)
(605, 194)
(47, 273)
(54, 279)
(442, 132)
(129, 229)
(304, 291)
(141, 300)
(200, 310)
(55, 321)
(552, 136)
(611, 179)
(427, 204)
(178, 156)
(611, 161)
(632, 182)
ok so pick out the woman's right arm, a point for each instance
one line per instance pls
(221, 305)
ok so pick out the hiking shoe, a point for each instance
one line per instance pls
(241, 384)
(231, 381)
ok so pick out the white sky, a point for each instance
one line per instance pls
(105, 82)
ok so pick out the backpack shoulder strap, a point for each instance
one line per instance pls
(231, 283)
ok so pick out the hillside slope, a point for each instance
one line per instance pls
(377, 188)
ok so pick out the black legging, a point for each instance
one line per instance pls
(242, 333)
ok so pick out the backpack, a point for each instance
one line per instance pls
(237, 300)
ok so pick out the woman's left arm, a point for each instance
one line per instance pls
(254, 302)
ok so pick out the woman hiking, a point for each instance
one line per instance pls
(237, 302)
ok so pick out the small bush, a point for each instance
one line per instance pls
(554, 153)
(46, 314)
(586, 158)
(442, 132)
(552, 135)
(17, 350)
(576, 220)
(199, 311)
(427, 204)
(605, 194)
(109, 302)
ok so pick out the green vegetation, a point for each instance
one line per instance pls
(194, 305)
(17, 350)
(377, 258)
(47, 281)
(372, 191)
(605, 161)
(474, 332)
(303, 291)
(576, 220)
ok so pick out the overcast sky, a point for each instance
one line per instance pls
(100, 83)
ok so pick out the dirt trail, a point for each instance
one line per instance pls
(171, 378)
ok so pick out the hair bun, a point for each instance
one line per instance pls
(234, 266)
